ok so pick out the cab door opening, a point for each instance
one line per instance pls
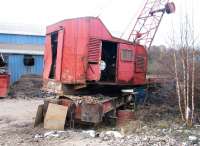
(108, 61)
(54, 46)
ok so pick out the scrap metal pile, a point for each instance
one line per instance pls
(88, 98)
(76, 108)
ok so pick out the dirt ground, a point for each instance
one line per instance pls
(155, 125)
(16, 127)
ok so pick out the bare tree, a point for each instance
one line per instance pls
(184, 67)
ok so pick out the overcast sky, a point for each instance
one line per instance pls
(116, 14)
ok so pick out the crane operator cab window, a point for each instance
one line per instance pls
(108, 61)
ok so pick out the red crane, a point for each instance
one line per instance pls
(149, 20)
(74, 52)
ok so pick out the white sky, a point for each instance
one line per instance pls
(116, 14)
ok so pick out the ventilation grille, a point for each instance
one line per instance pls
(140, 65)
(94, 51)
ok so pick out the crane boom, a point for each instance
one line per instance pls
(149, 20)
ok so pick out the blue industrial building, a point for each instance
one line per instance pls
(23, 52)
(21, 39)
(17, 68)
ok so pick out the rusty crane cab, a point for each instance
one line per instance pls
(82, 51)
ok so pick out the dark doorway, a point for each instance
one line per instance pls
(109, 57)
(54, 45)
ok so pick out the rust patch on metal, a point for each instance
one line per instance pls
(124, 116)
(92, 113)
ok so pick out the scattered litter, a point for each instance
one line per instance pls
(193, 139)
(53, 133)
(49, 134)
(184, 144)
(116, 134)
(110, 135)
(37, 136)
(91, 133)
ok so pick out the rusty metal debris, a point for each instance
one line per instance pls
(88, 99)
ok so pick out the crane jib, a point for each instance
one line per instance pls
(149, 20)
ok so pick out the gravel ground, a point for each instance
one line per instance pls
(158, 126)
(16, 124)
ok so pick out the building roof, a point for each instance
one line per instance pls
(23, 29)
(21, 49)
(21, 39)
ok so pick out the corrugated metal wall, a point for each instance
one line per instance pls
(15, 62)
(17, 68)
